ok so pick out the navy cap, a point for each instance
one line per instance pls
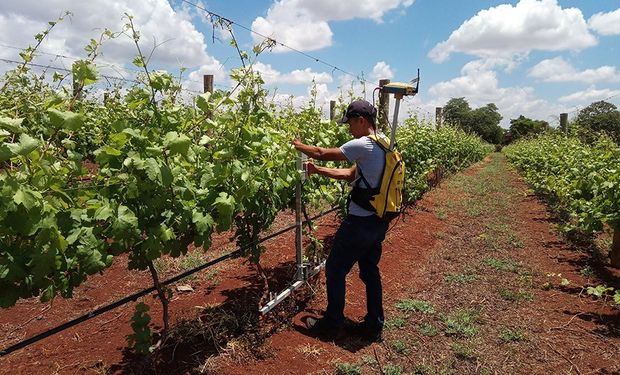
(359, 108)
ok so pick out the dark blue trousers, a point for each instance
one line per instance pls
(358, 240)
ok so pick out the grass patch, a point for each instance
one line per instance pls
(395, 323)
(399, 346)
(511, 335)
(427, 329)
(464, 350)
(167, 265)
(441, 214)
(414, 305)
(461, 322)
(587, 272)
(393, 370)
(468, 275)
(507, 265)
(515, 296)
(345, 368)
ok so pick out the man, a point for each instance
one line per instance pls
(359, 238)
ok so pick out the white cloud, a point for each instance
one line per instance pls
(480, 86)
(180, 43)
(588, 96)
(507, 30)
(559, 70)
(606, 23)
(381, 70)
(305, 76)
(303, 24)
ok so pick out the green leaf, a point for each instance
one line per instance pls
(177, 143)
(85, 72)
(152, 169)
(126, 220)
(104, 212)
(11, 124)
(91, 260)
(27, 198)
(204, 223)
(166, 175)
(24, 147)
(202, 102)
(225, 205)
(65, 119)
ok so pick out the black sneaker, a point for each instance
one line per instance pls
(321, 327)
(364, 331)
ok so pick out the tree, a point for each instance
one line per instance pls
(523, 126)
(483, 121)
(455, 112)
(599, 117)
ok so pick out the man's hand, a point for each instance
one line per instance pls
(297, 143)
(311, 168)
(319, 153)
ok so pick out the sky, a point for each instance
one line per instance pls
(536, 58)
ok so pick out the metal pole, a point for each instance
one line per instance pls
(395, 121)
(301, 161)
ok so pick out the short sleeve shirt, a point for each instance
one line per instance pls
(370, 159)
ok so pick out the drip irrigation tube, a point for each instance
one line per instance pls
(29, 341)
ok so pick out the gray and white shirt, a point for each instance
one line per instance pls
(370, 158)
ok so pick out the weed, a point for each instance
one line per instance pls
(515, 241)
(345, 368)
(212, 275)
(461, 322)
(395, 323)
(526, 279)
(369, 360)
(427, 329)
(399, 346)
(461, 278)
(392, 370)
(413, 305)
(515, 296)
(441, 214)
(587, 272)
(464, 350)
(501, 264)
(474, 211)
(511, 335)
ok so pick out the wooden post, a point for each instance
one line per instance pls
(438, 117)
(384, 107)
(614, 254)
(332, 110)
(564, 122)
(208, 83)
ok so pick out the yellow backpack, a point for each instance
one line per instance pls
(386, 200)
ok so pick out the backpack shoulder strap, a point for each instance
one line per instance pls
(381, 141)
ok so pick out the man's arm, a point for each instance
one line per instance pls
(347, 174)
(320, 153)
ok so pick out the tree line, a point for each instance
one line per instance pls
(598, 118)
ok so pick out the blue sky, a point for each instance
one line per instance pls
(532, 57)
